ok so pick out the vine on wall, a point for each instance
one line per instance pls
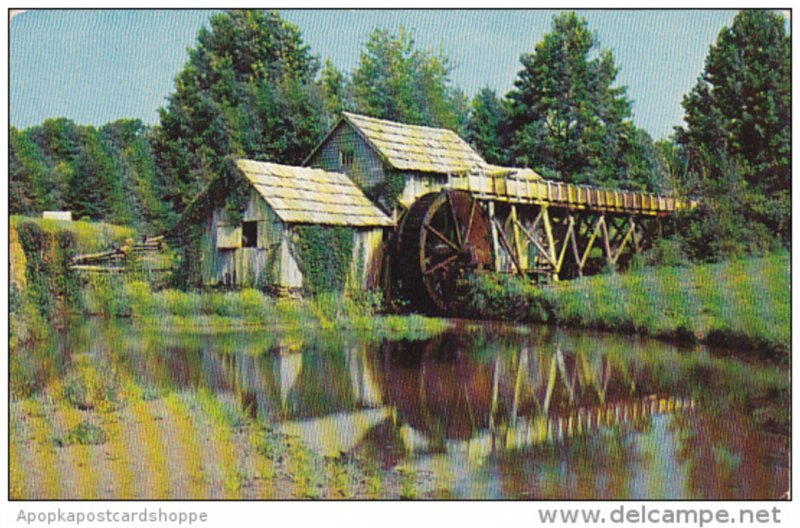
(52, 286)
(387, 191)
(324, 255)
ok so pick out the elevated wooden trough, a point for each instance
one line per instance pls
(513, 221)
(524, 187)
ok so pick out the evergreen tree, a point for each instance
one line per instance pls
(738, 115)
(567, 120)
(485, 126)
(395, 81)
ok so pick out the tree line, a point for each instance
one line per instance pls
(251, 87)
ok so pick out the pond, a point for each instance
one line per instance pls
(483, 411)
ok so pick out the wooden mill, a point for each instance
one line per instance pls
(520, 224)
(457, 214)
(425, 211)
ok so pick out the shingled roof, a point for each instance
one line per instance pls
(301, 195)
(415, 148)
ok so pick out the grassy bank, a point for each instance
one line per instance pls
(44, 293)
(90, 237)
(744, 303)
(325, 313)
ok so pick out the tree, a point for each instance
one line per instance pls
(395, 81)
(738, 115)
(335, 89)
(567, 120)
(248, 89)
(485, 126)
(27, 173)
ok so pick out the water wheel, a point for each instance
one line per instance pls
(443, 238)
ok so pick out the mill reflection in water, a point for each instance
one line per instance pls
(551, 414)
(481, 412)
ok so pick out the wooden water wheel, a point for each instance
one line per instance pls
(443, 238)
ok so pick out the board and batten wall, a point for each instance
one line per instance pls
(272, 261)
(225, 261)
(366, 169)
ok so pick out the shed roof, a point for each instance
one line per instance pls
(301, 195)
(416, 148)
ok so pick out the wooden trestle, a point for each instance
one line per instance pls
(548, 229)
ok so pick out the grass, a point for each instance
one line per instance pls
(125, 452)
(325, 313)
(742, 304)
(91, 237)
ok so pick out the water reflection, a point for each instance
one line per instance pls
(480, 414)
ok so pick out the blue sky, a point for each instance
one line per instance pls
(97, 66)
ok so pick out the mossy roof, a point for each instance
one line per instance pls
(416, 148)
(302, 195)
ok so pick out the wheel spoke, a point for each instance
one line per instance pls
(471, 216)
(441, 237)
(456, 226)
(440, 265)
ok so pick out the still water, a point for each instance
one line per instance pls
(483, 411)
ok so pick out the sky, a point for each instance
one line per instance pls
(98, 66)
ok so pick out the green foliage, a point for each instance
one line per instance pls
(85, 433)
(395, 81)
(507, 297)
(742, 303)
(568, 121)
(485, 129)
(736, 141)
(104, 174)
(387, 191)
(52, 286)
(247, 89)
(90, 237)
(324, 255)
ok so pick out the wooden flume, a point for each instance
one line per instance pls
(544, 230)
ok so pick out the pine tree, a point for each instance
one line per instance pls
(738, 115)
(567, 119)
(485, 126)
(395, 81)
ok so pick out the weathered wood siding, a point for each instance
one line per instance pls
(419, 184)
(365, 269)
(225, 261)
(366, 169)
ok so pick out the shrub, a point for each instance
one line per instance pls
(85, 433)
(89, 385)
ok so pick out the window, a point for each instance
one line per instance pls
(346, 157)
(250, 234)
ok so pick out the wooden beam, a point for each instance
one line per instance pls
(536, 243)
(575, 246)
(624, 243)
(517, 239)
(548, 229)
(606, 243)
(504, 240)
(596, 231)
(441, 237)
(495, 242)
(636, 246)
(571, 222)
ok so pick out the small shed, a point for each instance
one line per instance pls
(393, 162)
(262, 247)
(65, 216)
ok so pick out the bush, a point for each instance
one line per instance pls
(91, 385)
(85, 433)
